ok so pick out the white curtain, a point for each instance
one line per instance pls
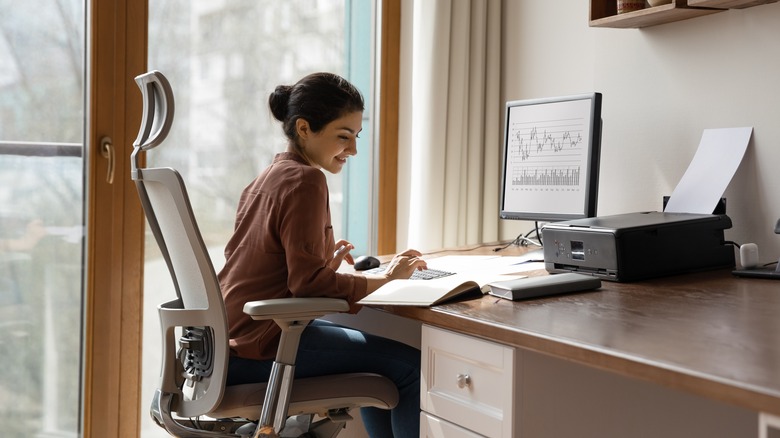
(455, 123)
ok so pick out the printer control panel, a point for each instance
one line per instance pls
(577, 249)
(583, 251)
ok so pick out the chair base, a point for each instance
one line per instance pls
(161, 409)
(301, 426)
(298, 426)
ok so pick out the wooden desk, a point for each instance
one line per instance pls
(709, 334)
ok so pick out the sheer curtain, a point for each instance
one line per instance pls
(453, 118)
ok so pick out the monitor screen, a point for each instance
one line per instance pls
(551, 158)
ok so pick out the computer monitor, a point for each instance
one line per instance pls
(551, 158)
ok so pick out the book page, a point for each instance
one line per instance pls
(419, 292)
(470, 272)
(485, 269)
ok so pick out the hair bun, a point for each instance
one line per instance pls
(278, 101)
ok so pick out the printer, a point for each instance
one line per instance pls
(635, 246)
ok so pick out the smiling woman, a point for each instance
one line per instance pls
(283, 247)
(224, 59)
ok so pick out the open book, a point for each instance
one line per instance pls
(472, 273)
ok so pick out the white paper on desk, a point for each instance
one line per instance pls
(482, 265)
(714, 164)
(459, 263)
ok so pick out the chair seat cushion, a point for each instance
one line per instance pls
(313, 395)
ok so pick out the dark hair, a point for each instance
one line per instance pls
(318, 98)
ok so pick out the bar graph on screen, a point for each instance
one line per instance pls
(536, 176)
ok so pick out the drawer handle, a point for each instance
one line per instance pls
(464, 380)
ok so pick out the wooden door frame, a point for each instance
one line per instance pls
(389, 77)
(117, 35)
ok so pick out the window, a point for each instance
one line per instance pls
(41, 216)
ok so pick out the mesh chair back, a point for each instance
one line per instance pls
(194, 371)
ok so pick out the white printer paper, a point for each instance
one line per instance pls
(717, 159)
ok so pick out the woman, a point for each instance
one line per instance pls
(283, 246)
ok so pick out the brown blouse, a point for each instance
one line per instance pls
(282, 241)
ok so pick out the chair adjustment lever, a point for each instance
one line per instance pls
(188, 343)
(339, 415)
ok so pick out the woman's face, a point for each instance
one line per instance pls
(336, 141)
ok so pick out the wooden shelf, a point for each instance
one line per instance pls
(728, 4)
(603, 13)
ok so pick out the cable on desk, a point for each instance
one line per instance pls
(473, 248)
(524, 240)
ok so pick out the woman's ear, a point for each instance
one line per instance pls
(302, 128)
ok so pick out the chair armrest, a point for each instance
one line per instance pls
(294, 308)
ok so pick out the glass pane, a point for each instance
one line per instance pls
(223, 58)
(41, 220)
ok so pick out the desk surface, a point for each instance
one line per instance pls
(708, 333)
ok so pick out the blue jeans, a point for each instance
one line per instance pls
(327, 348)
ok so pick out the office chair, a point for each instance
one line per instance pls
(191, 399)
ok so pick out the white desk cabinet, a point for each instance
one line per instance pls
(473, 387)
(468, 386)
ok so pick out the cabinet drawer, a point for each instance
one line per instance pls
(468, 381)
(433, 427)
(768, 426)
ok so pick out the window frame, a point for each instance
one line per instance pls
(116, 53)
(388, 102)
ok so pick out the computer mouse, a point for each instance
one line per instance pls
(366, 262)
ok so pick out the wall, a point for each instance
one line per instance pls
(662, 86)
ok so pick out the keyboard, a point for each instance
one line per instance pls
(430, 274)
(427, 274)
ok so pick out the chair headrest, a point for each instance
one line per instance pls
(157, 111)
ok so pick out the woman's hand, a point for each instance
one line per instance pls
(343, 248)
(401, 267)
(404, 264)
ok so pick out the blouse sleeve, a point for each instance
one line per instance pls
(306, 234)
